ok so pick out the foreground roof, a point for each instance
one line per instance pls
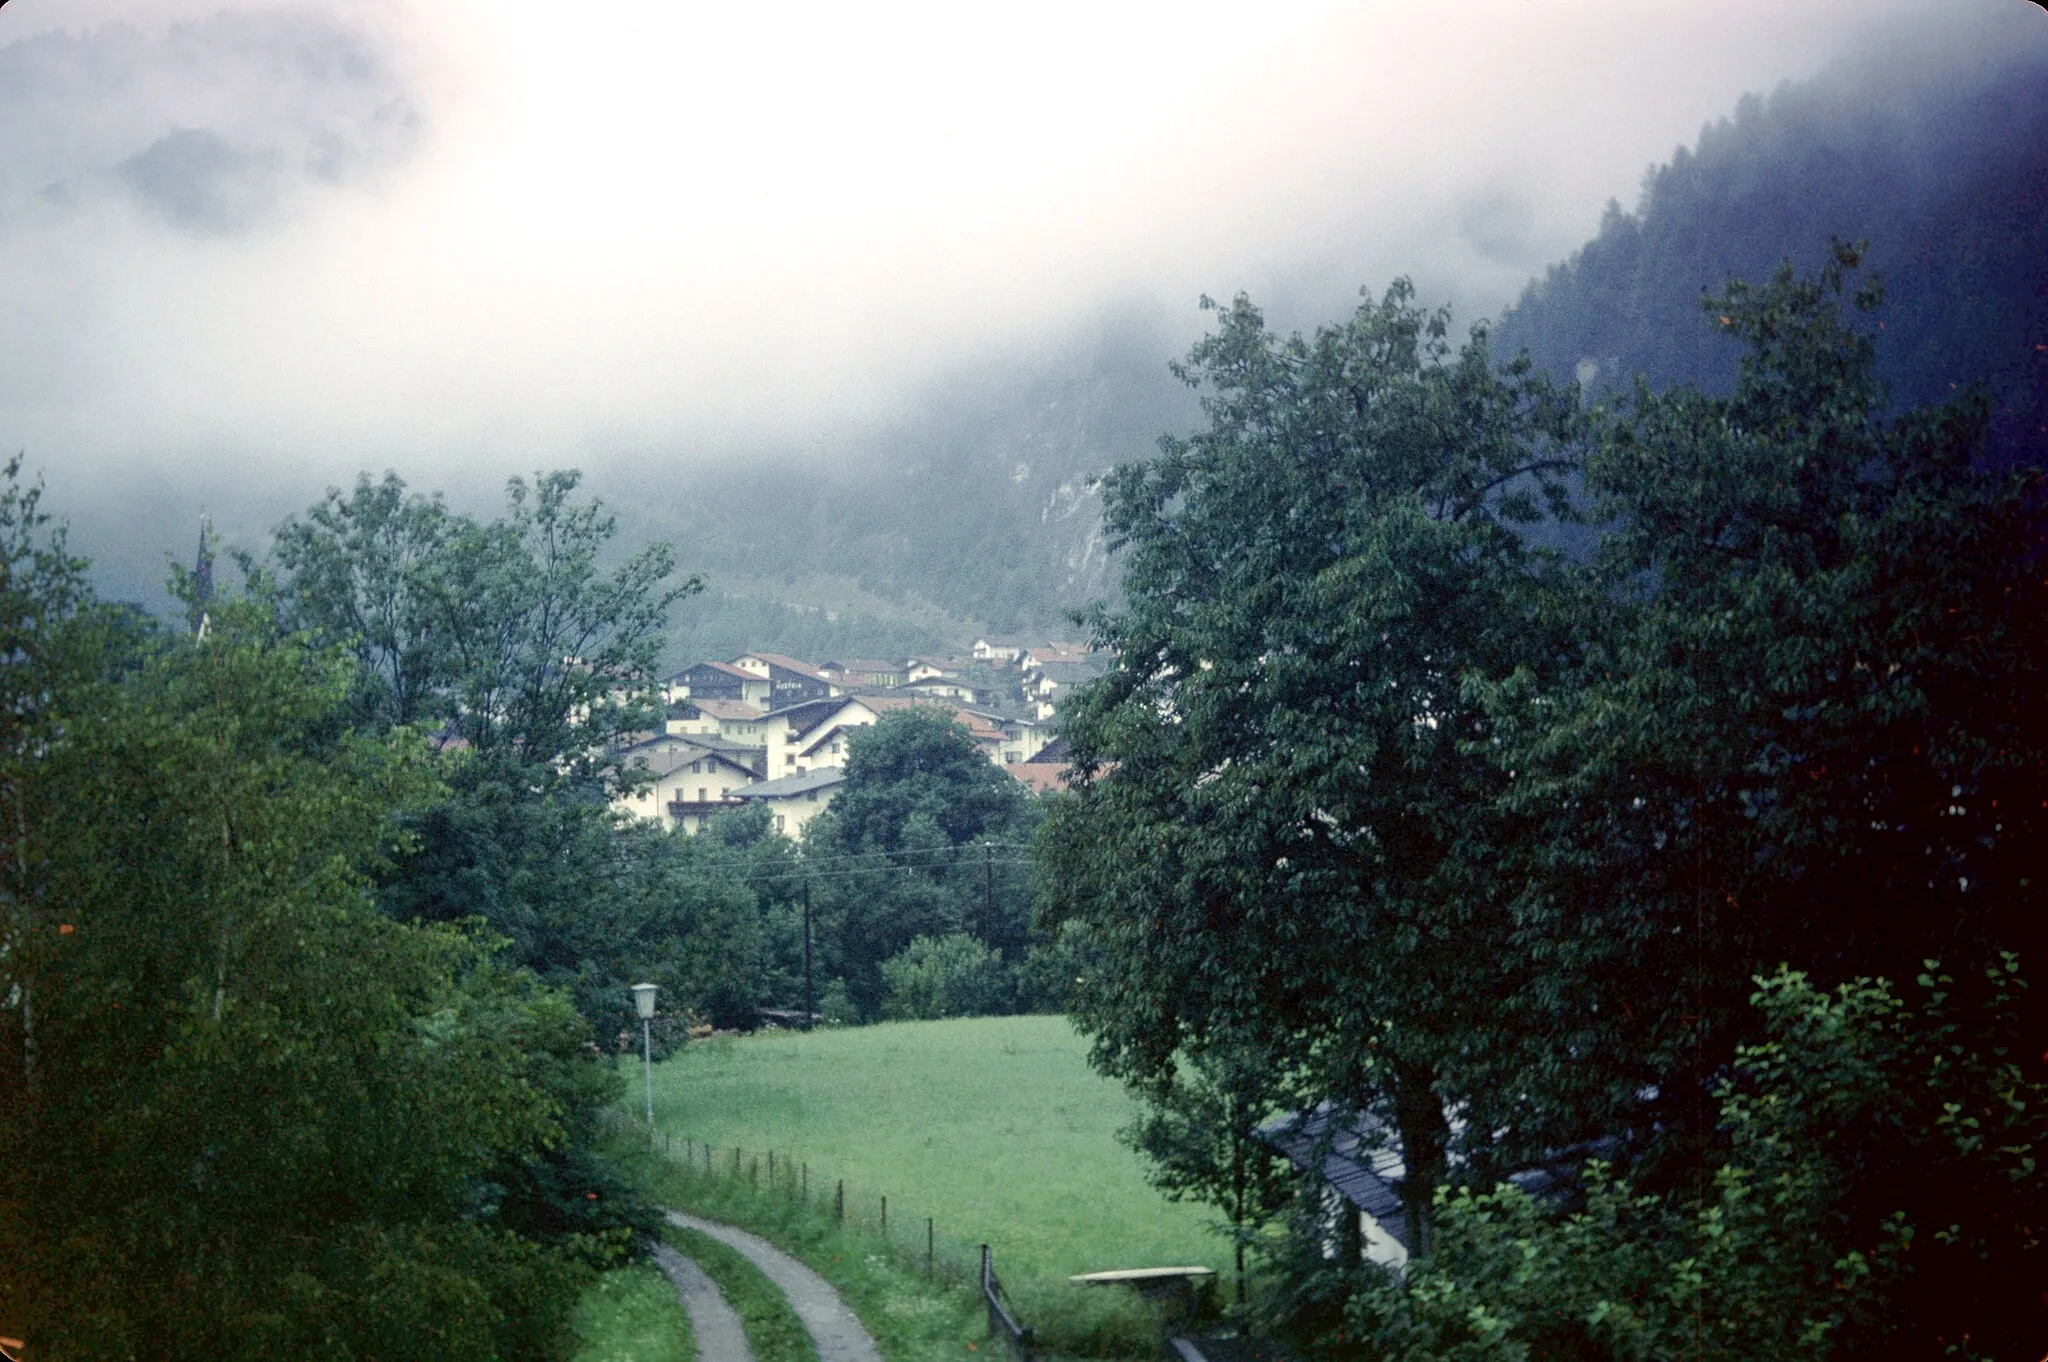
(1358, 1157)
(803, 782)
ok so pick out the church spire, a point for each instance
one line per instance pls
(202, 578)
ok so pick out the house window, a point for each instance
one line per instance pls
(778, 823)
(703, 794)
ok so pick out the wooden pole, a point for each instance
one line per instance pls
(810, 1007)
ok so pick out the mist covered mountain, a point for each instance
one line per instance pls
(975, 512)
(1942, 169)
(971, 509)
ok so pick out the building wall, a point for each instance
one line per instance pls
(706, 778)
(793, 813)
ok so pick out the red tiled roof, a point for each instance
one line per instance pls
(1039, 776)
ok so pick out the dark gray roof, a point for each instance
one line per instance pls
(998, 718)
(797, 784)
(1054, 751)
(1358, 1157)
(806, 715)
(725, 669)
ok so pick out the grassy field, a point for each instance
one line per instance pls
(994, 1126)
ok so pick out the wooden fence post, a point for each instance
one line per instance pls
(928, 1237)
(839, 1201)
(885, 1217)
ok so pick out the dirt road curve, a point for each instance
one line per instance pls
(835, 1331)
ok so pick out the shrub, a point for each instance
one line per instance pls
(946, 976)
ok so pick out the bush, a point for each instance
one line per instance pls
(1878, 1195)
(946, 976)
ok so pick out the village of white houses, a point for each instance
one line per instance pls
(768, 729)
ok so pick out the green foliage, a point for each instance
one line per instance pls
(247, 1114)
(1849, 1181)
(1800, 726)
(1285, 840)
(632, 1315)
(536, 662)
(508, 632)
(945, 976)
(910, 848)
(1428, 819)
(915, 771)
(835, 1006)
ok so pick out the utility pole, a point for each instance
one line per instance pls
(807, 953)
(988, 893)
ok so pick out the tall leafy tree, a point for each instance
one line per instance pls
(1283, 840)
(902, 853)
(511, 632)
(247, 1114)
(1531, 828)
(533, 659)
(360, 569)
(1800, 726)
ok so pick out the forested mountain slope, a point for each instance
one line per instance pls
(1942, 168)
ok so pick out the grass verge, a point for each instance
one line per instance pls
(773, 1330)
(632, 1315)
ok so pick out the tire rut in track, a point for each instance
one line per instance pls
(720, 1335)
(835, 1331)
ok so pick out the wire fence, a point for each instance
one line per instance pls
(913, 1235)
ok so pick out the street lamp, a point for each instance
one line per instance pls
(643, 1003)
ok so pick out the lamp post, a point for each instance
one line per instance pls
(643, 1003)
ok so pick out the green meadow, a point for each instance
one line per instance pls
(993, 1126)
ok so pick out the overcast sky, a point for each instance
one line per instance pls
(460, 236)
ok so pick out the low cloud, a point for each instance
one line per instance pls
(247, 253)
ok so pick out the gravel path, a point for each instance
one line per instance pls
(720, 1336)
(835, 1331)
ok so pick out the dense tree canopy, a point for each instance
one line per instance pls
(530, 661)
(1287, 840)
(911, 848)
(249, 1115)
(1495, 842)
(506, 631)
